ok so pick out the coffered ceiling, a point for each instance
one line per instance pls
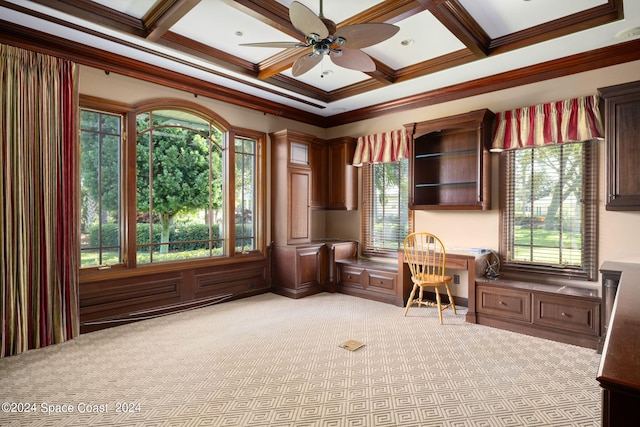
(444, 49)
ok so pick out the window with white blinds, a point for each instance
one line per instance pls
(549, 209)
(386, 216)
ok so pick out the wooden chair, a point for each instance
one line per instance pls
(427, 259)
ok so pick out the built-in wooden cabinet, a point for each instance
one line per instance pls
(557, 312)
(622, 139)
(308, 173)
(342, 176)
(298, 270)
(449, 166)
(291, 181)
(306, 269)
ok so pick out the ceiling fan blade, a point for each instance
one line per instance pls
(284, 45)
(354, 59)
(305, 63)
(306, 21)
(358, 36)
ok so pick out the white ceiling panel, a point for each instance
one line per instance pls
(501, 17)
(216, 24)
(421, 37)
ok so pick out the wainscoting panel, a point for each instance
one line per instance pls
(119, 297)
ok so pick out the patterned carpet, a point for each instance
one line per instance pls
(273, 361)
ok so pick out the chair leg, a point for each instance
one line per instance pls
(439, 304)
(451, 301)
(410, 300)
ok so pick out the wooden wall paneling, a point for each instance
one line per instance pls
(122, 296)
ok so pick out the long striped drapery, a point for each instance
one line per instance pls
(383, 147)
(571, 120)
(39, 238)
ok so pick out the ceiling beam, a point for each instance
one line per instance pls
(269, 12)
(92, 12)
(210, 54)
(164, 14)
(596, 16)
(462, 25)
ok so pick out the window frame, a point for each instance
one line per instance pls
(368, 249)
(588, 269)
(128, 191)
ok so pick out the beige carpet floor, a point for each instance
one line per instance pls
(273, 361)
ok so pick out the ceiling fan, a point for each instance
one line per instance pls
(322, 38)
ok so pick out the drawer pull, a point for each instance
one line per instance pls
(563, 314)
(501, 303)
(349, 277)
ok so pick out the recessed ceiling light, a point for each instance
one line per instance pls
(326, 73)
(239, 33)
(630, 32)
(407, 42)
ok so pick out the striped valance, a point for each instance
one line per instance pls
(383, 147)
(571, 120)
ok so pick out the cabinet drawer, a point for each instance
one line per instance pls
(569, 314)
(381, 281)
(349, 276)
(508, 303)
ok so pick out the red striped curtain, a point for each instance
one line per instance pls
(39, 238)
(571, 120)
(386, 147)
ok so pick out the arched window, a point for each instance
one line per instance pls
(186, 186)
(179, 187)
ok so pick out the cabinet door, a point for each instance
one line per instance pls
(310, 267)
(317, 159)
(342, 176)
(299, 213)
(622, 111)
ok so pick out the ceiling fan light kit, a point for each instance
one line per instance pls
(341, 45)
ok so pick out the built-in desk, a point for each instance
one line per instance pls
(619, 372)
(474, 264)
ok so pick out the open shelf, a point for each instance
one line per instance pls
(449, 167)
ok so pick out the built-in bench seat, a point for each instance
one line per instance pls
(559, 312)
(366, 278)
